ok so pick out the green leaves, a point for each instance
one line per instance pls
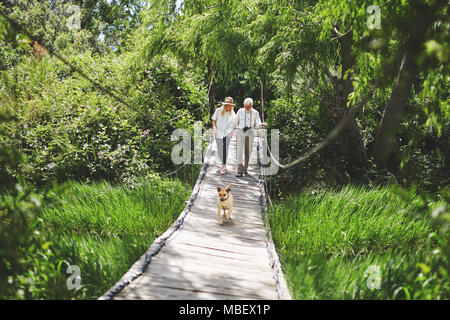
(362, 243)
(441, 51)
(23, 41)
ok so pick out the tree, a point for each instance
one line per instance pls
(404, 28)
(424, 16)
(102, 24)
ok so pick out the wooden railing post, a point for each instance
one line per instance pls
(210, 89)
(261, 106)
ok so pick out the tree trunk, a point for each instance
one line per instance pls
(384, 141)
(385, 145)
(350, 137)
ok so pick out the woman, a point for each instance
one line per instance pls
(222, 121)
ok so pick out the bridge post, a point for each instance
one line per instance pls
(261, 106)
(210, 90)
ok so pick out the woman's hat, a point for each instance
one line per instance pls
(228, 100)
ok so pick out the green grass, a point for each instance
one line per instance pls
(104, 229)
(330, 243)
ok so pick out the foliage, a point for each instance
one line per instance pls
(70, 131)
(103, 24)
(331, 240)
(24, 255)
(315, 59)
(206, 33)
(301, 127)
(101, 228)
(324, 56)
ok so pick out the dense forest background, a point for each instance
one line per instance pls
(96, 99)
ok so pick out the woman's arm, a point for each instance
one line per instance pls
(234, 122)
(214, 121)
(214, 128)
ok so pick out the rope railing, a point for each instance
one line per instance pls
(192, 111)
(332, 135)
(348, 116)
(24, 30)
(161, 241)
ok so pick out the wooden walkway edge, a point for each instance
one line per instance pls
(196, 258)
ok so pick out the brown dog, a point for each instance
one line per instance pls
(225, 203)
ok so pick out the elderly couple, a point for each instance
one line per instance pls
(224, 121)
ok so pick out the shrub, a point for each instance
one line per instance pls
(69, 130)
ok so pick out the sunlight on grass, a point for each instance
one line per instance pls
(104, 229)
(328, 240)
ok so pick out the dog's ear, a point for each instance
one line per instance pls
(218, 189)
(228, 187)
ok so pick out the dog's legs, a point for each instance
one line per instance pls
(228, 214)
(220, 215)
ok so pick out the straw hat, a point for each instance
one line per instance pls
(228, 100)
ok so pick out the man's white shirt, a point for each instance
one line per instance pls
(246, 119)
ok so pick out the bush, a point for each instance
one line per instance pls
(302, 126)
(100, 228)
(25, 257)
(332, 242)
(71, 131)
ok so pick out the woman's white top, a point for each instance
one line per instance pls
(223, 122)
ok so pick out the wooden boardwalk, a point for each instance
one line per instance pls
(204, 260)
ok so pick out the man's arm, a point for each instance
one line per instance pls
(258, 123)
(258, 120)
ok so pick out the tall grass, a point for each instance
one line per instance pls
(333, 242)
(103, 229)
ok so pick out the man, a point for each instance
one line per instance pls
(245, 121)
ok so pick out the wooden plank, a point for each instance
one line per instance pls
(156, 292)
(212, 262)
(212, 231)
(225, 247)
(210, 268)
(255, 257)
(220, 285)
(220, 258)
(210, 205)
(239, 220)
(188, 235)
(182, 271)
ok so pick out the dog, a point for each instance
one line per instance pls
(225, 203)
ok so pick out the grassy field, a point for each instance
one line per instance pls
(103, 229)
(353, 243)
